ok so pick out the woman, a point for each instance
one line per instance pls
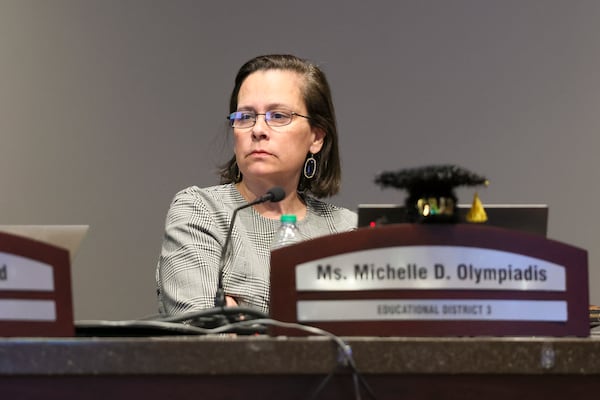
(285, 135)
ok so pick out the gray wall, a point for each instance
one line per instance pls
(107, 108)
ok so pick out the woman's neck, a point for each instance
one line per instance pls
(292, 203)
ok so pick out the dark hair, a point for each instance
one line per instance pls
(319, 106)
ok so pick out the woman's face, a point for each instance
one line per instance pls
(274, 154)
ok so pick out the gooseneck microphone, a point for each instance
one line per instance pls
(274, 195)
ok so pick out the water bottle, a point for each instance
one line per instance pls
(287, 233)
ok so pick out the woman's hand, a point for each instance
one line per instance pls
(230, 302)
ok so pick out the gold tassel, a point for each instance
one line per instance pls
(477, 213)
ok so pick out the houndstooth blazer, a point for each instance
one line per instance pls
(196, 227)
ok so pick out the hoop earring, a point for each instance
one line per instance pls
(238, 176)
(310, 167)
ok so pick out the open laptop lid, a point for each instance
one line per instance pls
(532, 218)
(66, 236)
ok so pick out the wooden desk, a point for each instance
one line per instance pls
(224, 367)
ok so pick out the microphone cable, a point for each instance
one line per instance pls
(345, 358)
(256, 322)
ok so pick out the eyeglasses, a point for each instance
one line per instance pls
(247, 119)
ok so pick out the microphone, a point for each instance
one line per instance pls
(275, 194)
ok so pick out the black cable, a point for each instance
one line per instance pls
(163, 325)
(356, 385)
(210, 312)
(172, 324)
(220, 316)
(344, 349)
(322, 385)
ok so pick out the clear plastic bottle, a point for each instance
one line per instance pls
(287, 233)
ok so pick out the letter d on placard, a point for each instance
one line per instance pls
(438, 271)
(3, 273)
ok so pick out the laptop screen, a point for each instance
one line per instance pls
(532, 218)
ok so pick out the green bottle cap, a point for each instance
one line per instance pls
(289, 218)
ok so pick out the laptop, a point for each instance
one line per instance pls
(65, 236)
(532, 218)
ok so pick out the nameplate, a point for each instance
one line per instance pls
(430, 267)
(431, 310)
(432, 280)
(20, 273)
(27, 310)
(35, 288)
